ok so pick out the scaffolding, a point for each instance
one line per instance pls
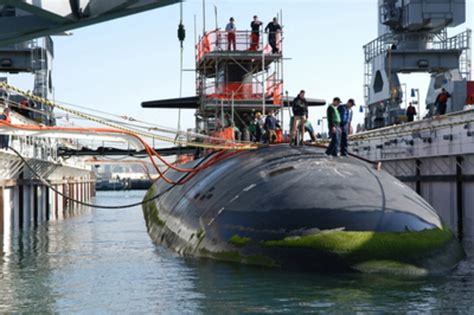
(234, 84)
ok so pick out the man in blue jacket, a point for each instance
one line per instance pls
(345, 111)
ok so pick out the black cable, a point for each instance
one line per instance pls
(47, 184)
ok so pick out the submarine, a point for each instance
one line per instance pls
(295, 207)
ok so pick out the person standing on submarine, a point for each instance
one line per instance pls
(345, 112)
(334, 124)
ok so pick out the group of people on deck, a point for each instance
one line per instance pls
(339, 118)
(272, 28)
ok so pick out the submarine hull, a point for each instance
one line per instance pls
(293, 207)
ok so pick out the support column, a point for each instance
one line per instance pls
(418, 176)
(460, 197)
(26, 209)
(2, 206)
(46, 203)
(35, 205)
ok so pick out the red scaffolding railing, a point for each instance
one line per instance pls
(218, 40)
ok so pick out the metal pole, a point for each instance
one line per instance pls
(180, 69)
(263, 76)
(232, 108)
(222, 114)
(281, 69)
(204, 16)
(215, 15)
(418, 102)
(289, 111)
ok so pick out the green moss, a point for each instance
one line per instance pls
(150, 209)
(363, 246)
(235, 256)
(390, 267)
(238, 241)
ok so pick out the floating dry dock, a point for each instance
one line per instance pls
(295, 207)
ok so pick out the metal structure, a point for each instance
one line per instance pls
(21, 20)
(435, 157)
(234, 84)
(413, 38)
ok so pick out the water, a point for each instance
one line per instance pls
(102, 261)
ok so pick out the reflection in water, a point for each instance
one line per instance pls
(100, 260)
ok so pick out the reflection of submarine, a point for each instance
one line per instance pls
(294, 207)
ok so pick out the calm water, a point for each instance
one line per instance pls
(101, 261)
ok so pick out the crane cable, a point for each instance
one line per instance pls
(89, 117)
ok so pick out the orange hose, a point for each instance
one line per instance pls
(150, 151)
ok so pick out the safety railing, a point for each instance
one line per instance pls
(220, 41)
(378, 46)
(245, 91)
(460, 41)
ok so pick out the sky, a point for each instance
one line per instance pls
(116, 65)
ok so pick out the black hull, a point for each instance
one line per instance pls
(296, 208)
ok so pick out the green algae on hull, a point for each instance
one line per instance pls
(361, 247)
(239, 241)
(236, 257)
(150, 210)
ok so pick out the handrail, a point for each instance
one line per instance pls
(217, 40)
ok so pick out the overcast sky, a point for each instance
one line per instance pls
(116, 65)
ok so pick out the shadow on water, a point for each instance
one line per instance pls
(104, 261)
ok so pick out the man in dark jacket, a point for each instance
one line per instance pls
(334, 124)
(271, 127)
(441, 102)
(300, 112)
(345, 113)
(411, 112)
(273, 28)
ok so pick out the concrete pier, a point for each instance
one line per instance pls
(435, 157)
(25, 201)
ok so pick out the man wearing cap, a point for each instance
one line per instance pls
(345, 112)
(334, 124)
(230, 29)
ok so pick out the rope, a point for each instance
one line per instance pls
(150, 151)
(89, 117)
(48, 184)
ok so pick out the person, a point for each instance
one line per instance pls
(441, 102)
(345, 113)
(255, 36)
(5, 139)
(255, 128)
(271, 127)
(309, 128)
(411, 112)
(230, 29)
(273, 28)
(334, 123)
(300, 112)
